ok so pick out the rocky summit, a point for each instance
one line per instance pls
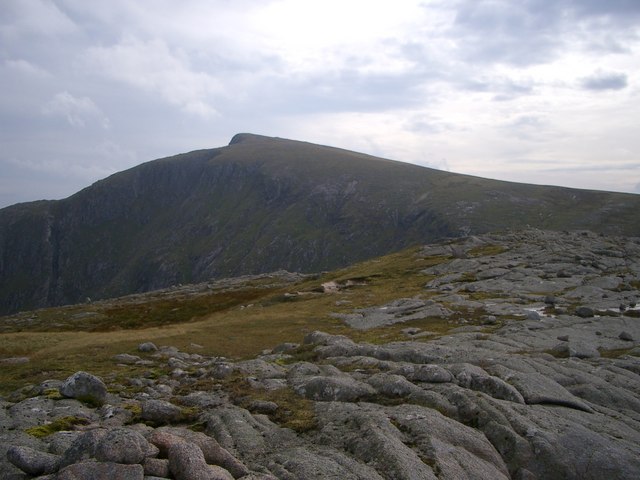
(531, 370)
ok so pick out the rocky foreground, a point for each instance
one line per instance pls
(538, 378)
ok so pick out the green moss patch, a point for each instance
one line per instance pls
(58, 425)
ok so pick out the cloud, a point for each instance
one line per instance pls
(59, 167)
(19, 18)
(604, 81)
(621, 9)
(25, 68)
(480, 83)
(76, 110)
(506, 32)
(532, 32)
(154, 68)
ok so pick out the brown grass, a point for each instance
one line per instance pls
(239, 323)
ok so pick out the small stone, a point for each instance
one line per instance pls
(626, 336)
(261, 406)
(177, 363)
(126, 359)
(550, 300)
(532, 315)
(489, 320)
(147, 347)
(285, 347)
(563, 338)
(585, 312)
(14, 361)
(411, 331)
(221, 370)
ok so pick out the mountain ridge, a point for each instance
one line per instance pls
(262, 204)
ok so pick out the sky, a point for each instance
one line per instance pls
(534, 91)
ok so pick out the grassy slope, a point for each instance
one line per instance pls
(236, 323)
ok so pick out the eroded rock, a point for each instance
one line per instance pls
(85, 387)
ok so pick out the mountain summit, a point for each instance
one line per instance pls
(261, 204)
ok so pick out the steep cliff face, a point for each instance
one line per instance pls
(257, 205)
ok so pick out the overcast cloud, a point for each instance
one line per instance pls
(537, 91)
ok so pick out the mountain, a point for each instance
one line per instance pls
(261, 204)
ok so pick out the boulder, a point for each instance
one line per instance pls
(585, 312)
(31, 461)
(429, 373)
(262, 406)
(122, 445)
(83, 447)
(392, 385)
(84, 387)
(626, 336)
(160, 412)
(156, 467)
(187, 462)
(540, 389)
(329, 389)
(470, 376)
(213, 453)
(576, 349)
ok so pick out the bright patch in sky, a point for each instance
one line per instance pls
(536, 91)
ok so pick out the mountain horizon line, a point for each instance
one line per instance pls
(263, 204)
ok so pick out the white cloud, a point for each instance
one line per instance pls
(25, 68)
(154, 68)
(19, 18)
(488, 87)
(76, 110)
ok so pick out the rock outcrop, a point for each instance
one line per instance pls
(479, 401)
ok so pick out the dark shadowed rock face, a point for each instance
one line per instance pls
(258, 205)
(479, 402)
